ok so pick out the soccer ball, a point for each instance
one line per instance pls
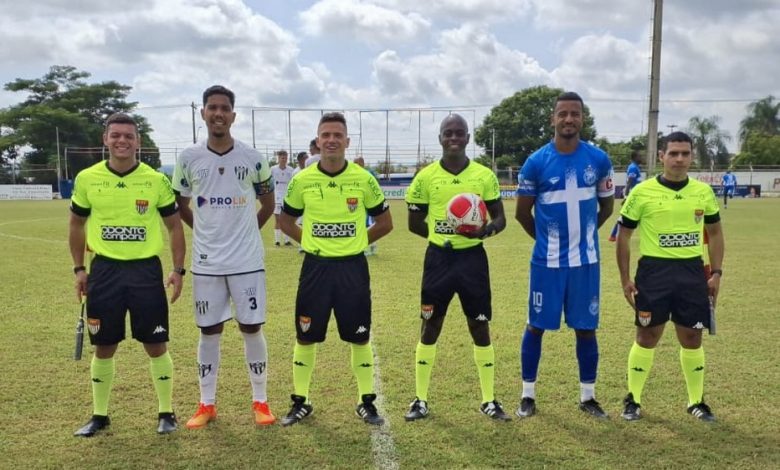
(466, 213)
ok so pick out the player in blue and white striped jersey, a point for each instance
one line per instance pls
(568, 184)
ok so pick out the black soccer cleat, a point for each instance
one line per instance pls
(593, 408)
(299, 410)
(166, 423)
(702, 412)
(631, 409)
(527, 408)
(418, 409)
(95, 424)
(367, 410)
(493, 410)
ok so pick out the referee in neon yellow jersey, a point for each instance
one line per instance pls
(116, 209)
(335, 195)
(671, 211)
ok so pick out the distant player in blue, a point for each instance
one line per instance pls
(568, 184)
(729, 182)
(633, 176)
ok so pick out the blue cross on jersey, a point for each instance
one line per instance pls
(566, 188)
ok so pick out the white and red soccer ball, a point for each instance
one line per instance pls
(466, 213)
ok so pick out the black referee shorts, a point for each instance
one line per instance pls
(447, 272)
(338, 284)
(115, 287)
(672, 288)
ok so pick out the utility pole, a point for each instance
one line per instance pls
(59, 171)
(655, 77)
(493, 152)
(671, 127)
(194, 134)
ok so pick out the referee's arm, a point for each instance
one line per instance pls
(178, 249)
(383, 224)
(623, 254)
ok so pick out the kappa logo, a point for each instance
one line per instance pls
(366, 365)
(698, 326)
(413, 208)
(304, 323)
(93, 325)
(352, 203)
(121, 185)
(426, 311)
(141, 206)
(159, 329)
(481, 317)
(455, 181)
(333, 184)
(361, 330)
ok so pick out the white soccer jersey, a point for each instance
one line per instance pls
(223, 188)
(281, 178)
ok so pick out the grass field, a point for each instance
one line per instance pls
(46, 395)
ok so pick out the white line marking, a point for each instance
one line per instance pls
(382, 445)
(19, 237)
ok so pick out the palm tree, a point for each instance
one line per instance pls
(763, 118)
(709, 141)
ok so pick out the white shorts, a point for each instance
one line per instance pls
(278, 208)
(211, 296)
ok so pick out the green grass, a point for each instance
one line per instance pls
(46, 395)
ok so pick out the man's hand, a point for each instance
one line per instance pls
(175, 280)
(629, 292)
(81, 284)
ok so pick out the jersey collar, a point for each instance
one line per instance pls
(123, 174)
(673, 185)
(441, 163)
(332, 175)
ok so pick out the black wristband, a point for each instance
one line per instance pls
(180, 271)
(78, 269)
(719, 272)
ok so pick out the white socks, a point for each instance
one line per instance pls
(208, 367)
(256, 352)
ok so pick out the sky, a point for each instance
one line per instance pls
(419, 60)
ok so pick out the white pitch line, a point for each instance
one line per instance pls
(382, 445)
(19, 237)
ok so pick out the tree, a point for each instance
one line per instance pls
(763, 118)
(760, 149)
(522, 124)
(709, 141)
(61, 102)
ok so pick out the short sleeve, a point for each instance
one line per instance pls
(418, 190)
(181, 181)
(526, 179)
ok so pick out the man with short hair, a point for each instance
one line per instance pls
(224, 176)
(633, 177)
(334, 196)
(123, 201)
(314, 152)
(282, 174)
(454, 263)
(674, 214)
(568, 184)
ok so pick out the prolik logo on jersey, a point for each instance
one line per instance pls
(222, 202)
(334, 230)
(122, 233)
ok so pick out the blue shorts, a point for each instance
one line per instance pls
(573, 290)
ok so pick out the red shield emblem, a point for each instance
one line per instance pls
(304, 323)
(93, 325)
(426, 311)
(352, 203)
(698, 215)
(141, 206)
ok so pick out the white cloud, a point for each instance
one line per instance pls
(364, 22)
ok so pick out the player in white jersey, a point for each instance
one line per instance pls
(568, 184)
(282, 174)
(314, 152)
(224, 177)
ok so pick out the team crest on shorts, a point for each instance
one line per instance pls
(698, 215)
(426, 311)
(93, 325)
(644, 317)
(304, 323)
(352, 203)
(141, 206)
(593, 308)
